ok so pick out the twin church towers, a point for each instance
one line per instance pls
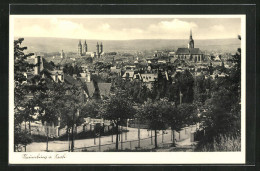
(82, 50)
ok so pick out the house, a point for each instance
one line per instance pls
(129, 74)
(171, 54)
(148, 79)
(57, 75)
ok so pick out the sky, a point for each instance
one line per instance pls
(126, 28)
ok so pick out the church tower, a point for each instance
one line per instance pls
(85, 47)
(191, 41)
(79, 49)
(62, 54)
(98, 53)
(101, 48)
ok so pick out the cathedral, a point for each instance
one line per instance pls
(191, 53)
(83, 50)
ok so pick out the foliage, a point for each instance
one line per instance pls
(21, 137)
(222, 111)
(181, 116)
(221, 142)
(154, 113)
(101, 67)
(91, 109)
(70, 70)
(117, 109)
(202, 90)
(184, 83)
(20, 92)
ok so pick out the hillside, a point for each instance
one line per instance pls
(40, 44)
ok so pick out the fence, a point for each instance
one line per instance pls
(163, 137)
(144, 143)
(55, 131)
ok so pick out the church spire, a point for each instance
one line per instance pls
(191, 41)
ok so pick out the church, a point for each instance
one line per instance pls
(83, 50)
(190, 53)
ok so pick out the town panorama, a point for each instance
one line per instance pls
(101, 95)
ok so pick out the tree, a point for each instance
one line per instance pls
(202, 89)
(91, 109)
(154, 114)
(117, 109)
(181, 116)
(20, 92)
(184, 83)
(72, 105)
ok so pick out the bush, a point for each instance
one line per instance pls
(220, 143)
(198, 135)
(22, 137)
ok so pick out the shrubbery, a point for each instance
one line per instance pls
(220, 143)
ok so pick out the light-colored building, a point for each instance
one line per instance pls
(57, 75)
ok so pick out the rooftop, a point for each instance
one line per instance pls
(192, 51)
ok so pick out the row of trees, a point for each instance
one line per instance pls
(158, 115)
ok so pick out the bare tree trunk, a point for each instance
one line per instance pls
(29, 127)
(155, 138)
(112, 132)
(139, 137)
(94, 134)
(121, 138)
(47, 141)
(162, 136)
(72, 138)
(173, 139)
(151, 137)
(68, 137)
(117, 135)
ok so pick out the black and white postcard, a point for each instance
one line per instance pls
(127, 89)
